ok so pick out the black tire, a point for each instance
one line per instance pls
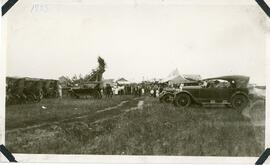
(39, 97)
(72, 94)
(167, 98)
(30, 98)
(182, 100)
(239, 102)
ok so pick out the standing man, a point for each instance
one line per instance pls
(108, 90)
(60, 94)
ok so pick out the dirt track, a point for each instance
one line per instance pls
(96, 117)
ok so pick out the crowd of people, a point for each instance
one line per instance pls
(141, 89)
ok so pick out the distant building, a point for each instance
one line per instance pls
(122, 81)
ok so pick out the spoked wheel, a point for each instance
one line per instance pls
(182, 100)
(72, 94)
(38, 97)
(167, 98)
(239, 102)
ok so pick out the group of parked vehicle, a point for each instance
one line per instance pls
(29, 90)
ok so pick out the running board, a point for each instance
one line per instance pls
(225, 102)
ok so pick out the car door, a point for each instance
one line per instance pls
(223, 91)
(207, 94)
(213, 91)
(223, 94)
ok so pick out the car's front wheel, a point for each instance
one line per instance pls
(167, 98)
(182, 100)
(239, 102)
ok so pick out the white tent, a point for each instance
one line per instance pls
(178, 79)
(192, 77)
(174, 77)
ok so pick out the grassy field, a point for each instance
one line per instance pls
(161, 129)
(18, 116)
(156, 129)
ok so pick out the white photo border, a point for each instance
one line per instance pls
(131, 159)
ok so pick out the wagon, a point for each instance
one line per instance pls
(86, 90)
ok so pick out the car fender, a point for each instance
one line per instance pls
(168, 93)
(186, 92)
(162, 94)
(240, 93)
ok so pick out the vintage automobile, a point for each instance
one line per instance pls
(228, 90)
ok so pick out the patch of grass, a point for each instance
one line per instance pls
(157, 129)
(165, 130)
(24, 115)
(65, 137)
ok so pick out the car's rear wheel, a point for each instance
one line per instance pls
(239, 102)
(182, 100)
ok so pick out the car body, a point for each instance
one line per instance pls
(228, 90)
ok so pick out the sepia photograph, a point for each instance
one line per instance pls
(135, 78)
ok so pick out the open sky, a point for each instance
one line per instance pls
(136, 39)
